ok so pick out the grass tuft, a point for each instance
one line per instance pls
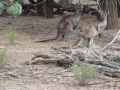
(2, 58)
(11, 34)
(83, 73)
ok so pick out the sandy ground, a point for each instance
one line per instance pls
(15, 76)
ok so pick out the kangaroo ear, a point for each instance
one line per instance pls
(79, 5)
(100, 12)
(82, 6)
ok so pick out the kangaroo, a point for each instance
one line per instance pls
(67, 23)
(89, 31)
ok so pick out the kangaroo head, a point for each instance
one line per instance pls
(103, 22)
(79, 8)
(77, 15)
(103, 15)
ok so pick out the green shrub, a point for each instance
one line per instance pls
(11, 34)
(83, 73)
(2, 58)
(15, 9)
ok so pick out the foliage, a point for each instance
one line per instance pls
(15, 9)
(1, 7)
(11, 34)
(2, 58)
(83, 73)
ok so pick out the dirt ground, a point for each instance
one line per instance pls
(15, 76)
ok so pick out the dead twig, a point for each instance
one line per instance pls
(117, 36)
(31, 69)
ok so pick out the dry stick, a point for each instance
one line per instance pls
(100, 57)
(68, 56)
(85, 54)
(73, 52)
(12, 75)
(117, 36)
(31, 67)
(106, 70)
(104, 60)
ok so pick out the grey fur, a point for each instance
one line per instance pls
(66, 24)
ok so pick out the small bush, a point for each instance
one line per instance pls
(11, 34)
(2, 58)
(83, 73)
(15, 9)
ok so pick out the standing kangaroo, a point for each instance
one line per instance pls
(89, 31)
(67, 23)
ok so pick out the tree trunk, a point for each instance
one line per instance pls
(45, 9)
(118, 8)
(39, 8)
(49, 9)
(111, 7)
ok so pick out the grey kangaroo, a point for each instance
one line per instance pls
(67, 23)
(89, 31)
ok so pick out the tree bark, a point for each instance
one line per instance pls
(112, 15)
(45, 9)
(118, 8)
(39, 8)
(49, 9)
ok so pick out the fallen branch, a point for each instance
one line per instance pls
(97, 58)
(106, 63)
(117, 36)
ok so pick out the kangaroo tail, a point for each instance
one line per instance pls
(51, 40)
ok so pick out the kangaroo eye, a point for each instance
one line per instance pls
(80, 30)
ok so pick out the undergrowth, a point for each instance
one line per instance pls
(2, 58)
(83, 73)
(11, 34)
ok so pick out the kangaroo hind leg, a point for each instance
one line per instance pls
(90, 43)
(79, 41)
